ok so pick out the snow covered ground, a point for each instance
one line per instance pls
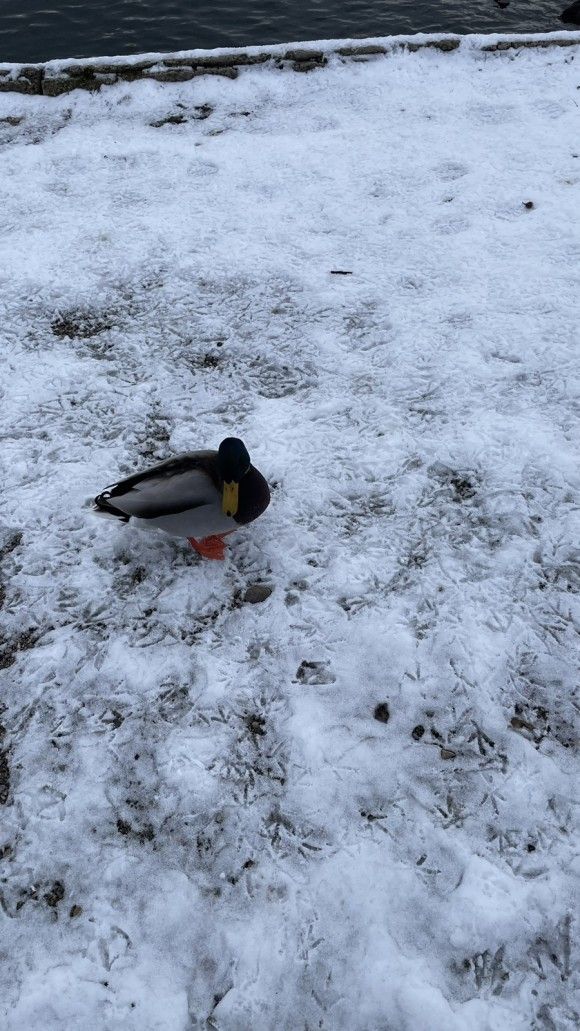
(204, 823)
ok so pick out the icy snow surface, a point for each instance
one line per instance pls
(203, 823)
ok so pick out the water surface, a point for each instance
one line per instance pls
(37, 30)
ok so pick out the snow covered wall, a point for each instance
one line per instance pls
(62, 76)
(331, 783)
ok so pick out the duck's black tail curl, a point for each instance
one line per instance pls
(103, 506)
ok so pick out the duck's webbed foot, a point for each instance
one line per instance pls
(210, 547)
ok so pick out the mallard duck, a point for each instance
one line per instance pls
(201, 495)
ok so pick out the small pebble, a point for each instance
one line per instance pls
(448, 753)
(382, 713)
(528, 204)
(417, 732)
(257, 593)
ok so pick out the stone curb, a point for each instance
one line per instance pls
(56, 78)
(541, 44)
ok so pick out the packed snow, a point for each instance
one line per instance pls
(353, 804)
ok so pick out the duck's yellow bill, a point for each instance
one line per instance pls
(230, 499)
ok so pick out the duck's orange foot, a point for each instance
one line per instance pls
(210, 547)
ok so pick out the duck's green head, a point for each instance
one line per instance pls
(234, 462)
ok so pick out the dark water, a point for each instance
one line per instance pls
(37, 30)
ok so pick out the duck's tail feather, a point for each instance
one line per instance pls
(104, 507)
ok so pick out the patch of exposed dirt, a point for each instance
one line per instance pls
(9, 541)
(10, 647)
(79, 324)
(143, 834)
(4, 778)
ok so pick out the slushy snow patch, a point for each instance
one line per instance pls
(353, 805)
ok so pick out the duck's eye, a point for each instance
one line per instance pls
(230, 499)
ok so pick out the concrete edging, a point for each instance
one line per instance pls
(56, 77)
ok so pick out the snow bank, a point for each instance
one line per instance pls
(63, 76)
(205, 824)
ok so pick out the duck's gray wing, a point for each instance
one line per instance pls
(179, 485)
